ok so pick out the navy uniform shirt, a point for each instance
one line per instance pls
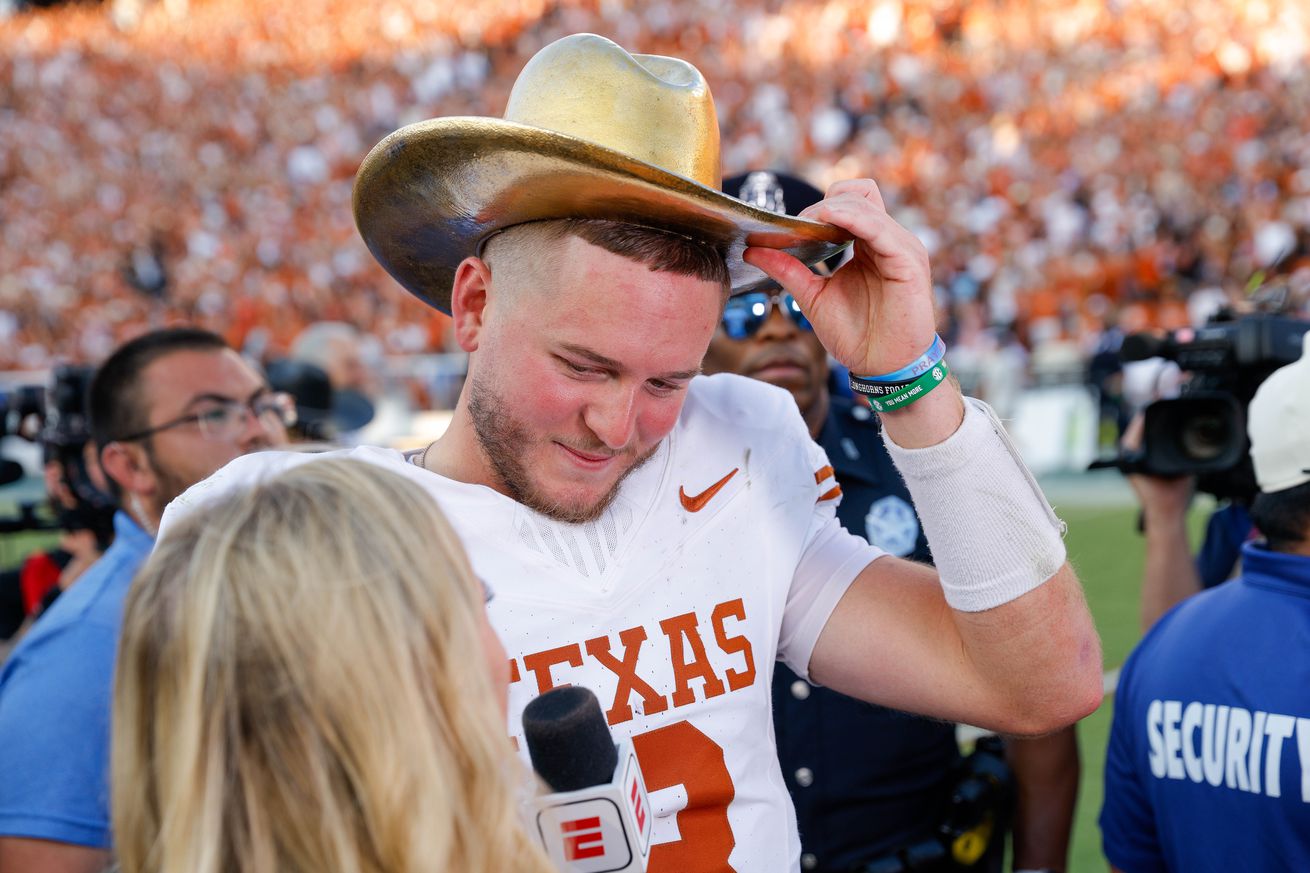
(865, 780)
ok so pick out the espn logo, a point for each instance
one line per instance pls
(602, 828)
(635, 797)
(590, 837)
(583, 838)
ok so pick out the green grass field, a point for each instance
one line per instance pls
(1107, 551)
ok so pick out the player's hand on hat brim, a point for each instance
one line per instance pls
(875, 314)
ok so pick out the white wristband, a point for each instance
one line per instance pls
(993, 535)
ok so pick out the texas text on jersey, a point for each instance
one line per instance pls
(718, 556)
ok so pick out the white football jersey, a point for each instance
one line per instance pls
(717, 556)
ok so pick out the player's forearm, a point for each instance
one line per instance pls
(1037, 658)
(1016, 605)
(1028, 667)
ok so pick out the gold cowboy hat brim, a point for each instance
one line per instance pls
(430, 194)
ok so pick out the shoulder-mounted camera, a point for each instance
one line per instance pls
(1202, 432)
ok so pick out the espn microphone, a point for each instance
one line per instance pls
(597, 820)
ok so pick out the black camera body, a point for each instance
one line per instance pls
(55, 417)
(1202, 432)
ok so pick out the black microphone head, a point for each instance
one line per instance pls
(568, 740)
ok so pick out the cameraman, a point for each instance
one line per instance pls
(166, 410)
(75, 490)
(1196, 442)
(85, 531)
(1171, 574)
(1208, 766)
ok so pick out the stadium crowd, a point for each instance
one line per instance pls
(1071, 165)
(1075, 170)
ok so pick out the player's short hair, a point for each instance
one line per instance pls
(660, 250)
(1283, 517)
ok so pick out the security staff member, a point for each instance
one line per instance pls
(872, 786)
(1208, 766)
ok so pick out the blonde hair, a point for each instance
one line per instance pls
(300, 689)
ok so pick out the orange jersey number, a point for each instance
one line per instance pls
(679, 754)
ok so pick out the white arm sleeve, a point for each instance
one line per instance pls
(833, 557)
(993, 536)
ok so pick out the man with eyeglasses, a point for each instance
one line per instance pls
(872, 785)
(166, 410)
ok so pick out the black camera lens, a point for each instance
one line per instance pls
(1206, 437)
(1199, 433)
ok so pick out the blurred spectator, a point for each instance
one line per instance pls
(337, 349)
(166, 410)
(317, 418)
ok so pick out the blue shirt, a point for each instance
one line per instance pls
(865, 780)
(1208, 766)
(1228, 528)
(55, 692)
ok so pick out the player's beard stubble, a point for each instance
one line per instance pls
(504, 438)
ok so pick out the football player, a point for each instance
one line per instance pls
(661, 537)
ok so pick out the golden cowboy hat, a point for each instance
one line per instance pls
(590, 131)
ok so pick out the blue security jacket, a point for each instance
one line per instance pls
(1209, 760)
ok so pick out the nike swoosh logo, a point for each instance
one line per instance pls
(697, 503)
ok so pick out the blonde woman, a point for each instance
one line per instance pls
(307, 685)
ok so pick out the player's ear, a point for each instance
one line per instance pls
(468, 301)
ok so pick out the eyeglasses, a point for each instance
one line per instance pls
(224, 419)
(746, 313)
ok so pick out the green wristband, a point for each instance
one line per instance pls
(911, 392)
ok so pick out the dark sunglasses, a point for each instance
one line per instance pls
(746, 313)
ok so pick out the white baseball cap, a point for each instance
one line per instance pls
(1279, 426)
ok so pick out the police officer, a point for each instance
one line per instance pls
(873, 788)
(1208, 766)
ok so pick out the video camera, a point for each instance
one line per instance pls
(55, 417)
(1202, 432)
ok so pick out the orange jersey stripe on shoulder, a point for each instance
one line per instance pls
(822, 473)
(830, 494)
